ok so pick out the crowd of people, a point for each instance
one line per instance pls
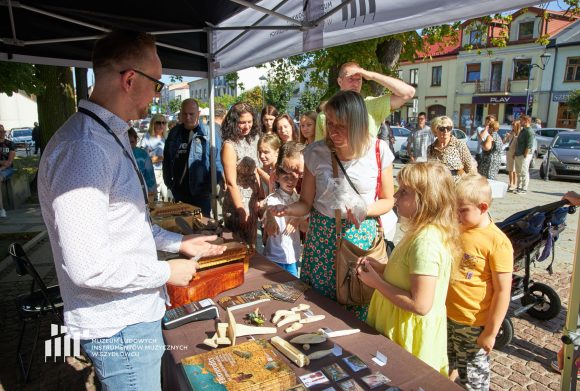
(441, 294)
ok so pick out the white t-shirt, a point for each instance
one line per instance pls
(363, 172)
(283, 248)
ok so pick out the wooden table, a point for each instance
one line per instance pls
(405, 371)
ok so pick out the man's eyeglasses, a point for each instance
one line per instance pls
(445, 128)
(158, 83)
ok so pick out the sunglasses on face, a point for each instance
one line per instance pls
(158, 83)
(160, 122)
(281, 172)
(444, 128)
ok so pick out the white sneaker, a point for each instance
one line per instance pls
(2, 213)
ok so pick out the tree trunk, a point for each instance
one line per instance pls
(81, 83)
(56, 102)
(388, 53)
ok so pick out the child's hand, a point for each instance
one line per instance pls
(367, 274)
(270, 225)
(486, 341)
(350, 218)
(291, 226)
(277, 210)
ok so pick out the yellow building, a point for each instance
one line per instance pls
(468, 85)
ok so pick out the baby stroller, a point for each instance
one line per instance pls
(533, 233)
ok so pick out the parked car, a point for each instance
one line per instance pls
(21, 137)
(144, 125)
(544, 138)
(564, 156)
(404, 156)
(401, 135)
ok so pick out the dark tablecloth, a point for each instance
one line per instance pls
(405, 371)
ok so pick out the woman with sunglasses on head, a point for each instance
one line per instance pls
(239, 154)
(446, 148)
(349, 143)
(154, 143)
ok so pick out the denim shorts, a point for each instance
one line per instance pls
(130, 359)
(6, 173)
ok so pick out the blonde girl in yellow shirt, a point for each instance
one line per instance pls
(408, 305)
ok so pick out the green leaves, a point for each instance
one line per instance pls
(15, 76)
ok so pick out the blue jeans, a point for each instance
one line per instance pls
(6, 173)
(291, 268)
(130, 359)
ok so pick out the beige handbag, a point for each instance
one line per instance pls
(350, 290)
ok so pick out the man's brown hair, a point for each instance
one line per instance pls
(121, 46)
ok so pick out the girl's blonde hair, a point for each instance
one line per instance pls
(270, 139)
(350, 109)
(436, 202)
(157, 118)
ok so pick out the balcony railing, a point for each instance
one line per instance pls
(491, 86)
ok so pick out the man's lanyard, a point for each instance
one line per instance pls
(108, 129)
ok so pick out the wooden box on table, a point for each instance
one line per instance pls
(216, 274)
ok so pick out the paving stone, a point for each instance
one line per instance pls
(542, 379)
(500, 383)
(518, 378)
(501, 370)
(522, 368)
(517, 388)
(538, 387)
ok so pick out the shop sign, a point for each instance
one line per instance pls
(560, 96)
(494, 99)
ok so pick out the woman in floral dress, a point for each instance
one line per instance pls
(348, 136)
(240, 161)
(491, 147)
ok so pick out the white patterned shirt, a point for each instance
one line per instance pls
(103, 245)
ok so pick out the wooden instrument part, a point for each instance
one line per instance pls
(235, 251)
(293, 354)
(216, 274)
(165, 209)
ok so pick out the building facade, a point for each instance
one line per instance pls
(467, 82)
(198, 89)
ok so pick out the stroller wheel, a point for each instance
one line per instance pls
(547, 301)
(505, 333)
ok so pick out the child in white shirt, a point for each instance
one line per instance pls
(283, 244)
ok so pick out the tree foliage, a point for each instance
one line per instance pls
(309, 100)
(174, 105)
(226, 100)
(252, 97)
(16, 76)
(574, 102)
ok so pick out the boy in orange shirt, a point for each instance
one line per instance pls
(479, 288)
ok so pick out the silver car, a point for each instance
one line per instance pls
(564, 156)
(404, 155)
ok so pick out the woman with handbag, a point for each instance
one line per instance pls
(491, 148)
(366, 166)
(408, 305)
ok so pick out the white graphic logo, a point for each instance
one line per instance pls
(59, 344)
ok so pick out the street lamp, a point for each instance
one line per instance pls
(544, 58)
(263, 81)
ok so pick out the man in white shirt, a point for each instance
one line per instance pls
(419, 139)
(94, 206)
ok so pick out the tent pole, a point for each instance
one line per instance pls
(571, 325)
(210, 87)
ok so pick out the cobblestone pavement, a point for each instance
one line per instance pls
(522, 365)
